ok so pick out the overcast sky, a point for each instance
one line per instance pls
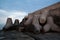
(17, 9)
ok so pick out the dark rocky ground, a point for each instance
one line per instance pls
(15, 35)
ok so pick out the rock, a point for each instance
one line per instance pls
(15, 35)
(16, 22)
(52, 10)
(26, 28)
(55, 13)
(27, 21)
(20, 29)
(8, 24)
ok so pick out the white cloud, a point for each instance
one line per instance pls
(3, 11)
(14, 14)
